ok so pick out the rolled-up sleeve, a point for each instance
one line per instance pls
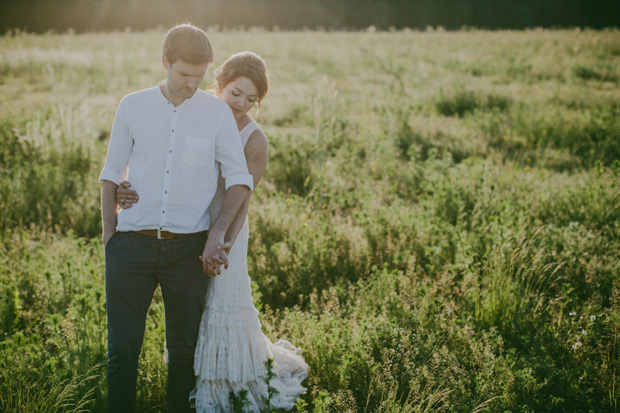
(229, 152)
(119, 148)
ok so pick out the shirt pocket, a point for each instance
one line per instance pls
(196, 151)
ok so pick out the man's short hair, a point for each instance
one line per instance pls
(188, 43)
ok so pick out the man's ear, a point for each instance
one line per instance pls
(164, 63)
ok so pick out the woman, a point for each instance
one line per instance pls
(232, 350)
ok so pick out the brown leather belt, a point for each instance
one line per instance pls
(167, 235)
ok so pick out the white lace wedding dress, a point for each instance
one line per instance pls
(232, 349)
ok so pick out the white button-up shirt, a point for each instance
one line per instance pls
(170, 156)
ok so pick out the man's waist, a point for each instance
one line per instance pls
(159, 234)
(187, 223)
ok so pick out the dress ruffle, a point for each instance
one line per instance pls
(230, 356)
(234, 352)
(212, 395)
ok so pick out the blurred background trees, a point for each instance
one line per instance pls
(101, 15)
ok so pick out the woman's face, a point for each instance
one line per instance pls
(241, 95)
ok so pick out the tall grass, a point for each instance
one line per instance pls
(438, 228)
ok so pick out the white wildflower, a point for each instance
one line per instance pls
(584, 332)
(572, 314)
(592, 318)
(577, 345)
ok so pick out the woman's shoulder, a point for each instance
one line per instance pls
(252, 128)
(256, 141)
(258, 133)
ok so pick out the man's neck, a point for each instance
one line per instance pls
(172, 98)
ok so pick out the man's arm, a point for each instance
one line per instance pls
(237, 224)
(115, 169)
(109, 209)
(229, 153)
(256, 156)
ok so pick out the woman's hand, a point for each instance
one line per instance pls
(213, 260)
(126, 197)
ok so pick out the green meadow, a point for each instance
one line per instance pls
(438, 228)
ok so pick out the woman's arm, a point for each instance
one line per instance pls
(126, 197)
(256, 157)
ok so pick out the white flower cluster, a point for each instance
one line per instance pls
(578, 344)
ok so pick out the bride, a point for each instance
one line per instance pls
(232, 350)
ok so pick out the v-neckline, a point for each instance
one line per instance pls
(244, 128)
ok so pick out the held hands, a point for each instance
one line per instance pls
(213, 258)
(215, 253)
(126, 197)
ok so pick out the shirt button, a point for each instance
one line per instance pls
(167, 172)
(169, 151)
(163, 212)
(175, 111)
(172, 130)
(165, 192)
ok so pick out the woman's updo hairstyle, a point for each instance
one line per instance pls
(245, 64)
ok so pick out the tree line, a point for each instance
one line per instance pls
(101, 15)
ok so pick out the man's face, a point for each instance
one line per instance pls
(184, 78)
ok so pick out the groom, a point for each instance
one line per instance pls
(167, 141)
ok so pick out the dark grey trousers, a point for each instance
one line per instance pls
(135, 265)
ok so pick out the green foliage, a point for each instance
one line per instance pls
(430, 247)
(39, 180)
(53, 351)
(464, 102)
(240, 401)
(588, 73)
(271, 391)
(583, 137)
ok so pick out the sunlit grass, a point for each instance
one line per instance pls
(438, 227)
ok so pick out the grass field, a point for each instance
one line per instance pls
(438, 228)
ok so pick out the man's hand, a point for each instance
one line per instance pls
(214, 256)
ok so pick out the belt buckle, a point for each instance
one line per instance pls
(159, 233)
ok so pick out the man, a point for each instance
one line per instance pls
(167, 141)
